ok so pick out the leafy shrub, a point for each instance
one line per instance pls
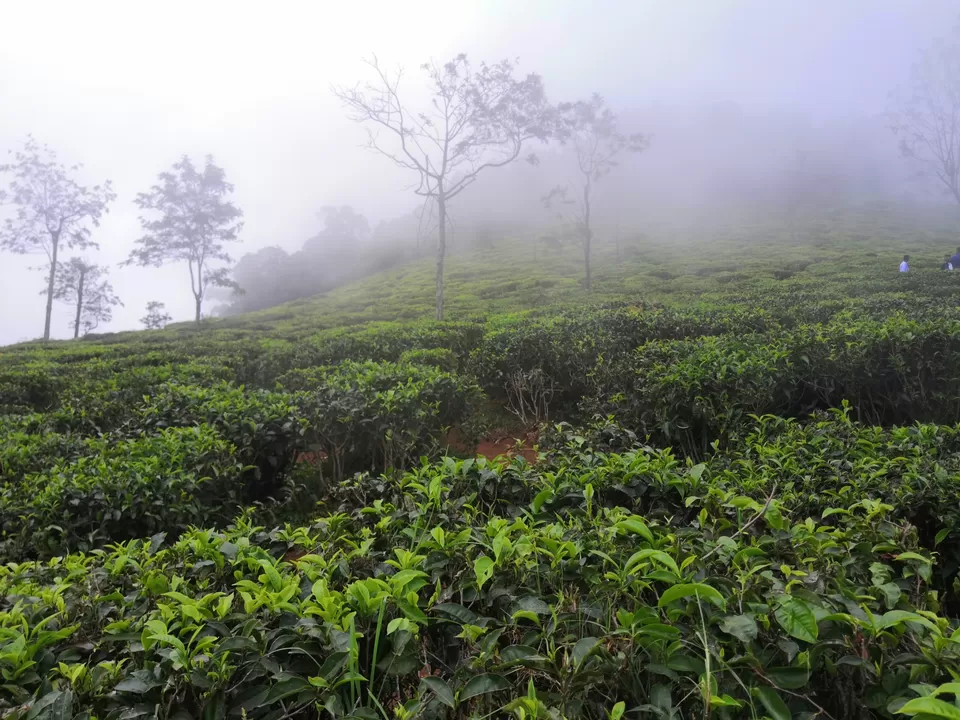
(122, 490)
(550, 364)
(440, 358)
(470, 588)
(373, 416)
(30, 387)
(377, 342)
(692, 392)
(265, 428)
(24, 450)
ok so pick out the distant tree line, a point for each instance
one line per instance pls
(271, 276)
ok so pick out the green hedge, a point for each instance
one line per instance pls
(119, 490)
(692, 392)
(376, 415)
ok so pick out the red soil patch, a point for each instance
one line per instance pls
(498, 445)
(493, 446)
(314, 458)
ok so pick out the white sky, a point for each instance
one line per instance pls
(127, 87)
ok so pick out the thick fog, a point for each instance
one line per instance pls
(744, 99)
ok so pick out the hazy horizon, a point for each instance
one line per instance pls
(127, 89)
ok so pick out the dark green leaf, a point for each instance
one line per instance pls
(439, 688)
(699, 590)
(456, 612)
(796, 617)
(742, 627)
(483, 684)
(582, 649)
(773, 703)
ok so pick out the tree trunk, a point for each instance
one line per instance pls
(441, 248)
(587, 232)
(199, 302)
(55, 242)
(76, 321)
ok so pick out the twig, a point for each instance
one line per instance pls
(749, 522)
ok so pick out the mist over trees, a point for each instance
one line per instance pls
(477, 119)
(84, 286)
(591, 129)
(345, 249)
(446, 133)
(771, 164)
(192, 221)
(925, 115)
(52, 211)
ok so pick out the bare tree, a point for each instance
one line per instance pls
(156, 317)
(85, 286)
(478, 118)
(52, 210)
(926, 115)
(195, 221)
(591, 127)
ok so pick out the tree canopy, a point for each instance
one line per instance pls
(51, 211)
(478, 118)
(190, 219)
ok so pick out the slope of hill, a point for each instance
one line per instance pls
(742, 502)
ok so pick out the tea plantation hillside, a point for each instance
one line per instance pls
(745, 501)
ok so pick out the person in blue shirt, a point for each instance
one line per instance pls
(905, 265)
(955, 260)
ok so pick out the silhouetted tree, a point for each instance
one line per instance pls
(156, 318)
(591, 128)
(926, 116)
(52, 210)
(476, 119)
(85, 286)
(193, 222)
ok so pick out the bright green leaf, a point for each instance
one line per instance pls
(795, 616)
(701, 590)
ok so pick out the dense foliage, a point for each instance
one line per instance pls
(745, 504)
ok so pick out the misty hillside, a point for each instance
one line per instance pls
(461, 361)
(731, 409)
(678, 266)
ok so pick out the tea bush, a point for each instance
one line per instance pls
(265, 428)
(693, 392)
(118, 490)
(744, 504)
(377, 415)
(435, 357)
(468, 588)
(549, 363)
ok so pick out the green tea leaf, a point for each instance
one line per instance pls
(463, 615)
(483, 569)
(701, 590)
(634, 525)
(795, 616)
(483, 684)
(742, 627)
(439, 688)
(773, 703)
(930, 707)
(650, 554)
(582, 649)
